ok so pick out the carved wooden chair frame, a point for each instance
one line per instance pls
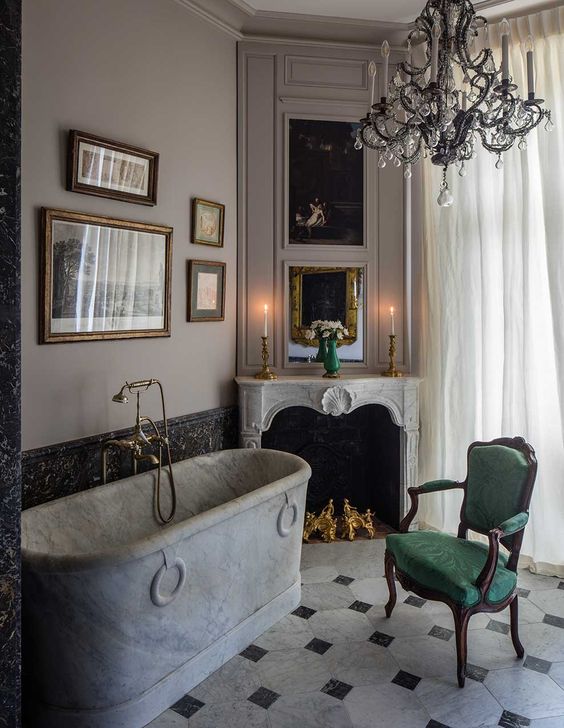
(495, 536)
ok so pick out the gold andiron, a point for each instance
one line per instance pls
(325, 523)
(353, 521)
(265, 372)
(392, 371)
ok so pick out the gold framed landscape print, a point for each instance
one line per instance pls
(103, 278)
(98, 166)
(207, 222)
(206, 290)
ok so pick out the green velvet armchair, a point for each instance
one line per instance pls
(469, 576)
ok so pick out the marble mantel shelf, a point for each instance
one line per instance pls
(260, 401)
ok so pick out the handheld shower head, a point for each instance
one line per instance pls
(120, 397)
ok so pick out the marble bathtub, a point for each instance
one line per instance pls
(123, 616)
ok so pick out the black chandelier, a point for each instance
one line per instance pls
(423, 112)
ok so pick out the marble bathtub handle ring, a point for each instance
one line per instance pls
(160, 600)
(293, 506)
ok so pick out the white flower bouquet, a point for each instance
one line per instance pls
(330, 330)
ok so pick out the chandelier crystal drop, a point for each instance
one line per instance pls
(424, 111)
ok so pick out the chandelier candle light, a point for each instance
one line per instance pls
(427, 111)
(265, 372)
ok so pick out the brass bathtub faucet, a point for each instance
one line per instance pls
(137, 444)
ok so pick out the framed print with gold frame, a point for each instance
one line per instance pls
(326, 293)
(207, 222)
(101, 167)
(206, 290)
(103, 278)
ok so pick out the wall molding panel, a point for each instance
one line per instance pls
(279, 82)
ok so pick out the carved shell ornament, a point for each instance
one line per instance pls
(337, 401)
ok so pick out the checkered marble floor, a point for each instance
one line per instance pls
(337, 662)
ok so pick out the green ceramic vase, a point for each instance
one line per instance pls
(322, 352)
(332, 363)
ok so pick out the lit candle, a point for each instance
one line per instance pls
(386, 56)
(265, 320)
(435, 51)
(392, 324)
(504, 29)
(529, 47)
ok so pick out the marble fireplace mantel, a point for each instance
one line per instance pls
(260, 401)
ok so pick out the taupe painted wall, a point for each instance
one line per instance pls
(150, 73)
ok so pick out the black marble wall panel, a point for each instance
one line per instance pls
(10, 475)
(69, 467)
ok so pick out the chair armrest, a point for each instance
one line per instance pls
(432, 486)
(507, 528)
(513, 524)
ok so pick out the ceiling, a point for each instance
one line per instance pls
(364, 23)
(382, 11)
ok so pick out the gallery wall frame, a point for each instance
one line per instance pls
(103, 278)
(208, 222)
(206, 290)
(116, 170)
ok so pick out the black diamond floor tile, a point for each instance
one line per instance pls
(414, 601)
(345, 580)
(476, 673)
(379, 638)
(337, 689)
(496, 626)
(436, 724)
(536, 664)
(304, 612)
(554, 620)
(441, 633)
(319, 646)
(406, 680)
(187, 706)
(253, 653)
(523, 592)
(263, 697)
(513, 720)
(360, 607)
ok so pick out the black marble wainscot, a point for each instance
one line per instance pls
(60, 470)
(10, 431)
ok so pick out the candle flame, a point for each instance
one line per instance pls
(391, 310)
(266, 308)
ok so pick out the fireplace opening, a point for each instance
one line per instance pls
(354, 456)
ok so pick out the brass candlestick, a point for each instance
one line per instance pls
(392, 371)
(265, 372)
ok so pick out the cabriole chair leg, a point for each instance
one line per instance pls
(514, 614)
(390, 578)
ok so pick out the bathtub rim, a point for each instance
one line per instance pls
(164, 536)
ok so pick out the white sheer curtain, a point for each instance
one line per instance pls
(493, 338)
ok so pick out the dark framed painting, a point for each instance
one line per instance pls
(98, 166)
(325, 183)
(103, 278)
(206, 290)
(327, 294)
(207, 222)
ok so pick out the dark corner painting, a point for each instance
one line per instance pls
(326, 183)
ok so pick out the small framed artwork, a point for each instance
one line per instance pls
(207, 222)
(206, 290)
(101, 167)
(103, 278)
